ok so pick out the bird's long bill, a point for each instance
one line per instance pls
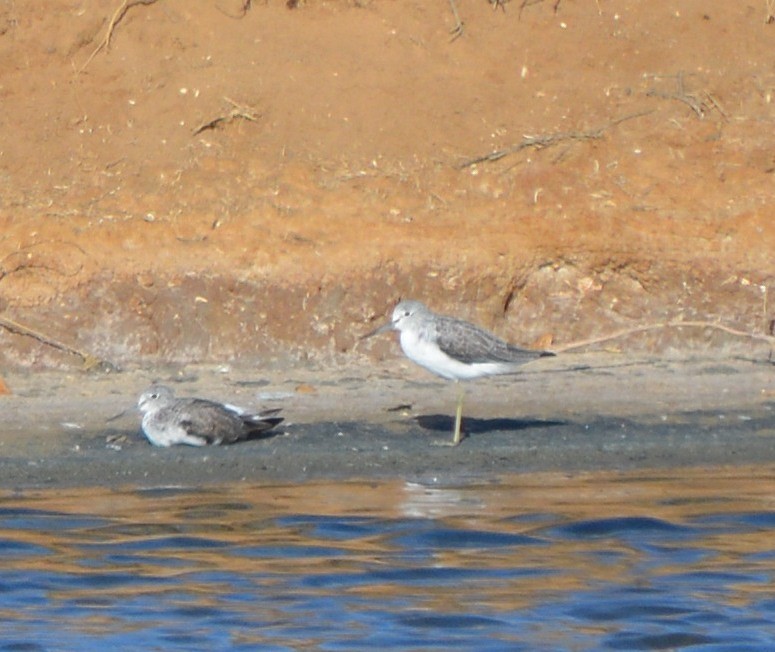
(377, 331)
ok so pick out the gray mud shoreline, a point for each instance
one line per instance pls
(578, 413)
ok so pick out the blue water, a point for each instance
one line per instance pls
(674, 561)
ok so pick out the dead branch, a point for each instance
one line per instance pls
(243, 10)
(89, 361)
(118, 15)
(690, 100)
(26, 267)
(29, 264)
(716, 105)
(547, 140)
(238, 111)
(670, 324)
(457, 30)
(695, 103)
(528, 3)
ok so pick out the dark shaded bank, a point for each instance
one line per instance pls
(348, 450)
(583, 413)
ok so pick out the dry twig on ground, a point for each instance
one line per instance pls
(700, 105)
(89, 361)
(457, 30)
(118, 15)
(547, 140)
(238, 111)
(243, 10)
(669, 324)
(529, 3)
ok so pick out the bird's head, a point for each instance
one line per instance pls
(155, 397)
(402, 313)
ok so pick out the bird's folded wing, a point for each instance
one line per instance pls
(470, 344)
(209, 420)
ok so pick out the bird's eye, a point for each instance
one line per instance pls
(155, 395)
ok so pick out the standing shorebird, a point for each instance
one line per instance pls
(198, 422)
(453, 348)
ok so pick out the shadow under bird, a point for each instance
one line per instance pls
(453, 348)
(198, 422)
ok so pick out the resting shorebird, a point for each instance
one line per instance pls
(453, 348)
(198, 422)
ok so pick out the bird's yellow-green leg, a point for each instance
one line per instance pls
(456, 436)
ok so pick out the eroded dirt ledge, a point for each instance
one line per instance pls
(127, 235)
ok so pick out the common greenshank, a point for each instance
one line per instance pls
(453, 348)
(198, 422)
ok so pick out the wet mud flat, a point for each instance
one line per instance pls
(359, 421)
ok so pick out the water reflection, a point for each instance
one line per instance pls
(539, 562)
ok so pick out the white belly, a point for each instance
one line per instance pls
(428, 355)
(167, 434)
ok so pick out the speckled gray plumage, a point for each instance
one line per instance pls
(453, 348)
(460, 340)
(470, 344)
(168, 421)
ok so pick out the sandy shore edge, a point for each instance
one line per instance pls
(357, 421)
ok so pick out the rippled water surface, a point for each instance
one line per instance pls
(682, 560)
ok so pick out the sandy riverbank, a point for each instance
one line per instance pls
(573, 413)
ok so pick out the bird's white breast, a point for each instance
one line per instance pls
(160, 433)
(427, 354)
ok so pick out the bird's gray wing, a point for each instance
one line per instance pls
(210, 421)
(470, 344)
(262, 421)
